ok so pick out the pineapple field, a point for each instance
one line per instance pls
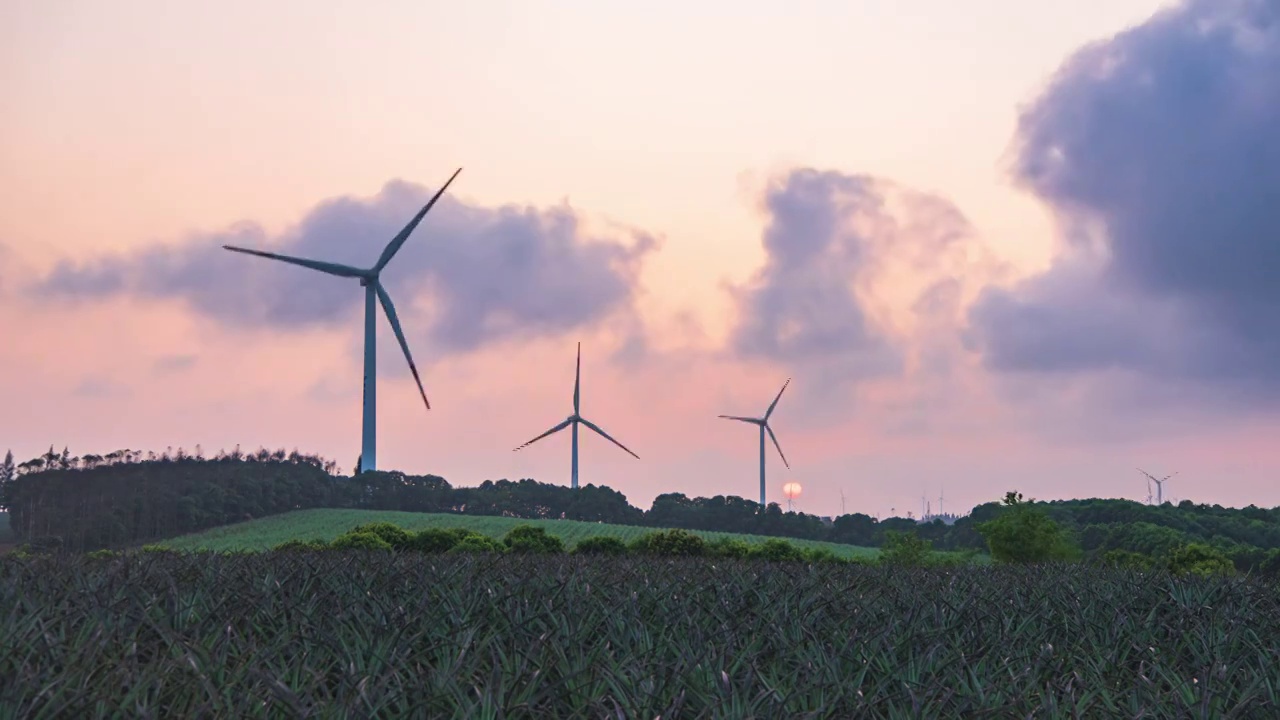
(364, 634)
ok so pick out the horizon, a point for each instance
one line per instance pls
(1010, 248)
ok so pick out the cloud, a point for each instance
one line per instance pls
(100, 387)
(834, 243)
(1159, 152)
(170, 364)
(474, 275)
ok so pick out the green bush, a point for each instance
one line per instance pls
(1199, 559)
(728, 548)
(906, 549)
(1023, 533)
(359, 541)
(670, 543)
(821, 555)
(433, 540)
(1128, 559)
(600, 545)
(102, 555)
(775, 550)
(397, 537)
(300, 545)
(477, 543)
(530, 539)
(156, 548)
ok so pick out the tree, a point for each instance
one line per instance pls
(905, 548)
(1023, 533)
(8, 471)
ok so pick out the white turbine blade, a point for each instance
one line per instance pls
(775, 444)
(605, 435)
(390, 310)
(774, 404)
(394, 246)
(555, 429)
(324, 267)
(577, 380)
(753, 421)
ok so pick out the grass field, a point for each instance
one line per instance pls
(327, 524)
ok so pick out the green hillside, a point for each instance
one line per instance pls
(326, 524)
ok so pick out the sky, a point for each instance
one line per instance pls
(996, 244)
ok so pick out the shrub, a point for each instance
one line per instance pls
(905, 548)
(300, 545)
(433, 540)
(600, 545)
(670, 543)
(359, 541)
(102, 555)
(477, 543)
(530, 539)
(1128, 559)
(775, 550)
(1023, 533)
(821, 555)
(156, 548)
(728, 548)
(396, 536)
(1199, 559)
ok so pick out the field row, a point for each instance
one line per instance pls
(377, 634)
(327, 524)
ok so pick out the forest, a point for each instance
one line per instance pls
(128, 497)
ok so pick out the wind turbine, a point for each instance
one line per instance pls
(1159, 485)
(374, 293)
(574, 420)
(763, 423)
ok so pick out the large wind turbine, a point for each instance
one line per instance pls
(374, 293)
(764, 427)
(1159, 485)
(574, 420)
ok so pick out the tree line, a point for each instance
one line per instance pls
(127, 497)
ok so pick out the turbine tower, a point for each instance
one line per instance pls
(374, 293)
(763, 423)
(1159, 484)
(574, 420)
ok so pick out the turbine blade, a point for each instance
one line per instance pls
(774, 404)
(577, 380)
(775, 444)
(390, 310)
(324, 267)
(753, 421)
(555, 429)
(396, 242)
(605, 435)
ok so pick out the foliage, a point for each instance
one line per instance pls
(775, 550)
(395, 536)
(300, 546)
(600, 545)
(670, 543)
(478, 544)
(359, 541)
(905, 549)
(337, 634)
(530, 539)
(1025, 534)
(726, 547)
(1128, 559)
(1200, 560)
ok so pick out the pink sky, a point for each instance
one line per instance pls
(892, 203)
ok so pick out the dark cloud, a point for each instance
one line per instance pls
(1159, 151)
(829, 238)
(471, 274)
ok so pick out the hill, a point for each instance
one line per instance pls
(327, 524)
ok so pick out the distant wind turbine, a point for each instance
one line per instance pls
(574, 420)
(374, 293)
(763, 423)
(1159, 485)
